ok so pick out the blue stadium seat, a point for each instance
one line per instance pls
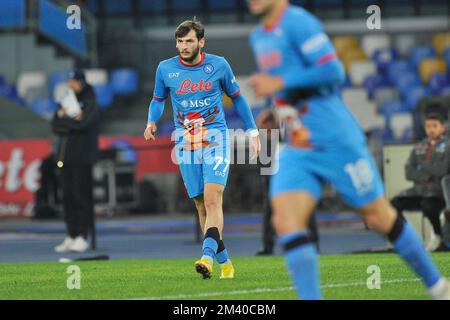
(373, 82)
(420, 53)
(104, 94)
(390, 107)
(397, 68)
(446, 56)
(407, 81)
(347, 82)
(219, 5)
(407, 135)
(383, 57)
(445, 91)
(124, 81)
(116, 7)
(438, 81)
(152, 6)
(186, 6)
(414, 95)
(43, 106)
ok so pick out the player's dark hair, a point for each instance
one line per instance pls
(186, 26)
(435, 116)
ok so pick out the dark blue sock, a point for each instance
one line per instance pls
(211, 242)
(303, 265)
(410, 247)
(222, 253)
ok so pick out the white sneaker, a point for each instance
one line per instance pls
(434, 243)
(441, 290)
(79, 245)
(65, 245)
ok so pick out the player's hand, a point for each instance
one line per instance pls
(265, 85)
(255, 147)
(150, 131)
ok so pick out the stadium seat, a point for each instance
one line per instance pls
(445, 91)
(438, 81)
(118, 7)
(104, 94)
(446, 56)
(383, 57)
(360, 70)
(351, 56)
(400, 122)
(384, 94)
(429, 66)
(373, 82)
(124, 81)
(29, 80)
(404, 43)
(397, 68)
(344, 43)
(414, 96)
(363, 110)
(187, 6)
(406, 81)
(44, 107)
(96, 76)
(220, 5)
(153, 6)
(441, 41)
(390, 107)
(420, 53)
(370, 43)
(407, 135)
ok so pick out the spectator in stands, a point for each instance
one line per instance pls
(76, 154)
(427, 165)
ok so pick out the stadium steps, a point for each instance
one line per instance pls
(17, 122)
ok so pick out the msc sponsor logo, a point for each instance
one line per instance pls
(198, 103)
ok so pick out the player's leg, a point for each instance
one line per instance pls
(291, 215)
(201, 210)
(356, 177)
(382, 217)
(294, 194)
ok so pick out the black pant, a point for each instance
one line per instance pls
(431, 207)
(78, 199)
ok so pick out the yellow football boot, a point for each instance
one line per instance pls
(227, 271)
(204, 267)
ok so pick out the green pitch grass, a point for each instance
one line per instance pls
(342, 277)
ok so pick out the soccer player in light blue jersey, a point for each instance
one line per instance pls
(196, 81)
(298, 66)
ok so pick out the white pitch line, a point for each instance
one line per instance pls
(260, 290)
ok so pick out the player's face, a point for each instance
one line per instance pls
(260, 7)
(434, 128)
(189, 46)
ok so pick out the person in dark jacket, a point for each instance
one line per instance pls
(427, 165)
(76, 153)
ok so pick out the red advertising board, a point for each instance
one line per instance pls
(20, 161)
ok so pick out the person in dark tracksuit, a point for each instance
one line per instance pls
(77, 151)
(428, 163)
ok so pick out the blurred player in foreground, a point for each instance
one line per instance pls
(196, 81)
(298, 65)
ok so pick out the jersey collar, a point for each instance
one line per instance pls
(193, 65)
(273, 25)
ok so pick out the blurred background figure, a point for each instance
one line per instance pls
(77, 151)
(427, 165)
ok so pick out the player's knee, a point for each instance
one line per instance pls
(381, 219)
(212, 202)
(278, 223)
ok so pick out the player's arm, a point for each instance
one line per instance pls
(316, 49)
(242, 107)
(156, 107)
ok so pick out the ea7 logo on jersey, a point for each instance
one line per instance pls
(174, 74)
(188, 87)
